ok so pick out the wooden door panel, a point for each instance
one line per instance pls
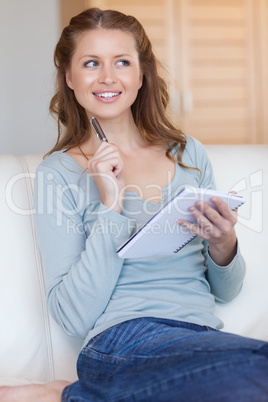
(217, 70)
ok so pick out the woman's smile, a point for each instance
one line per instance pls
(107, 96)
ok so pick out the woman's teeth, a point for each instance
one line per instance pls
(107, 95)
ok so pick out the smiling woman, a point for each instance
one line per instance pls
(148, 324)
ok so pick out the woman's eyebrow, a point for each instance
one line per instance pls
(89, 56)
(123, 55)
(93, 56)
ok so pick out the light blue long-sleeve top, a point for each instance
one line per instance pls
(89, 288)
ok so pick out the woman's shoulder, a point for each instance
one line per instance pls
(194, 145)
(50, 161)
(61, 162)
(59, 167)
(194, 153)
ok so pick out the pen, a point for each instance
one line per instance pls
(98, 130)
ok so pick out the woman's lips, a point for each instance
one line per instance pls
(107, 96)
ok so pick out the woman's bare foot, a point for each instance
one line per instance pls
(50, 392)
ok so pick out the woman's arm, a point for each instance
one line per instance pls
(225, 281)
(225, 264)
(78, 237)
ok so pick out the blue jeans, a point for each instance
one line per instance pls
(151, 359)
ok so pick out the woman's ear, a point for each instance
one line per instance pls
(68, 79)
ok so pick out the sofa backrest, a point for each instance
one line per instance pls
(32, 346)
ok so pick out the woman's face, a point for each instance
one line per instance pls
(105, 74)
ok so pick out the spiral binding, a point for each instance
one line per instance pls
(184, 244)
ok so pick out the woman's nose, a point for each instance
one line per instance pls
(107, 75)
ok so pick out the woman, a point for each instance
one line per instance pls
(148, 324)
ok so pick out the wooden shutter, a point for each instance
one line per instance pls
(217, 73)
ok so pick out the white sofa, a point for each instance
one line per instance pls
(33, 348)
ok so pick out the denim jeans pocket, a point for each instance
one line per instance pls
(101, 356)
(99, 347)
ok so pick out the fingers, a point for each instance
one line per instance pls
(223, 208)
(211, 223)
(106, 168)
(106, 160)
(219, 216)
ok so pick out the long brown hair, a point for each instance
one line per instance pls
(149, 108)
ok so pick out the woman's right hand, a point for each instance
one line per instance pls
(106, 168)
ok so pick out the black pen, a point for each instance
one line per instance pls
(97, 128)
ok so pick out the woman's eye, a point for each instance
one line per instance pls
(123, 63)
(91, 63)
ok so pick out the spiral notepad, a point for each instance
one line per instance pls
(162, 234)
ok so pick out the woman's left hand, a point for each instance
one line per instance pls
(217, 227)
